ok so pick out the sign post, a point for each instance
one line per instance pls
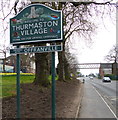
(35, 24)
(53, 87)
(18, 84)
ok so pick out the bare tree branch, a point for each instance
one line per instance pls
(112, 55)
(91, 2)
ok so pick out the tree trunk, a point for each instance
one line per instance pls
(41, 75)
(61, 67)
(4, 63)
(66, 69)
(42, 69)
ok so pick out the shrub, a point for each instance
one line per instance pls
(111, 76)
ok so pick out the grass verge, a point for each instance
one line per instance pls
(8, 84)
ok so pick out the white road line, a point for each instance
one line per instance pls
(105, 103)
(114, 98)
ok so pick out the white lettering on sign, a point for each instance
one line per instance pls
(41, 49)
(37, 28)
(35, 25)
(34, 32)
(38, 49)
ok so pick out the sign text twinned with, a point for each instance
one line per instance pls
(38, 49)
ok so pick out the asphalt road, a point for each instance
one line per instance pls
(99, 99)
(108, 92)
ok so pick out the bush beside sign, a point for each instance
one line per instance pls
(36, 23)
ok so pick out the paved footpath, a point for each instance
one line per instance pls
(93, 105)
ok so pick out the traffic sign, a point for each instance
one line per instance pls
(36, 23)
(38, 49)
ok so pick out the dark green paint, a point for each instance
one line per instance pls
(36, 23)
(53, 88)
(18, 84)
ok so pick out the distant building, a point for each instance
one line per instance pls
(9, 69)
(1, 61)
(115, 69)
(105, 68)
(108, 68)
(26, 65)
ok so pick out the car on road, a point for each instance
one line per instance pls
(91, 77)
(106, 79)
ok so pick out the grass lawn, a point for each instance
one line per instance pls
(8, 84)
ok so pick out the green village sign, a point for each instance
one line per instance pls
(36, 23)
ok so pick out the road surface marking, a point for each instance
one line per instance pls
(106, 103)
(114, 98)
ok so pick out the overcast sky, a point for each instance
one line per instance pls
(102, 42)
